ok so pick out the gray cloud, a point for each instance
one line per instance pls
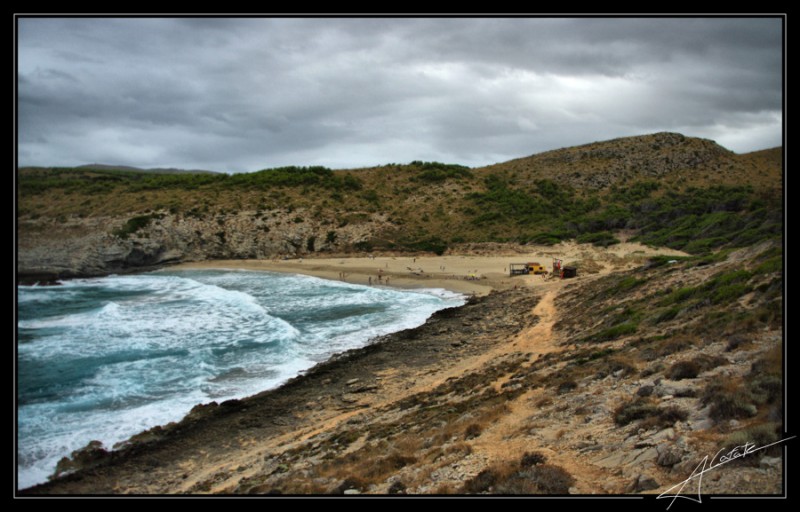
(244, 94)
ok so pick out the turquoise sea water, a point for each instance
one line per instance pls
(103, 359)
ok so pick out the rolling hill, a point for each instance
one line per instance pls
(663, 189)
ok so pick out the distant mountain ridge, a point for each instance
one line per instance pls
(155, 170)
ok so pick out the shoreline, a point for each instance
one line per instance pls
(392, 361)
(468, 274)
(325, 396)
(356, 272)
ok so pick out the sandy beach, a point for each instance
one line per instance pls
(471, 274)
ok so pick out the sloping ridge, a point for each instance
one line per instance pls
(601, 164)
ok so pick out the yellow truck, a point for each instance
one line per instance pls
(536, 268)
(520, 269)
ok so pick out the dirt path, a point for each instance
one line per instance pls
(539, 338)
(498, 444)
(536, 341)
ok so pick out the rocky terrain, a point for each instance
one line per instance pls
(51, 248)
(606, 384)
(607, 163)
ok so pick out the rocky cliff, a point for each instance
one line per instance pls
(71, 247)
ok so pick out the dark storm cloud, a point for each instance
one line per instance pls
(243, 94)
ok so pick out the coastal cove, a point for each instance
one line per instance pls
(473, 389)
(179, 457)
(102, 359)
(497, 316)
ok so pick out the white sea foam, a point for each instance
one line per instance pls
(103, 359)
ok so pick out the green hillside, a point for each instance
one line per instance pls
(664, 189)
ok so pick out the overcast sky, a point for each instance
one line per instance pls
(244, 94)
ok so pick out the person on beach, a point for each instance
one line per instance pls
(370, 280)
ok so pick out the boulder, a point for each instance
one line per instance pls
(668, 456)
(642, 483)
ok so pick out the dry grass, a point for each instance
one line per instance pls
(759, 435)
(618, 365)
(671, 346)
(756, 394)
(541, 479)
(445, 489)
(371, 464)
(728, 399)
(533, 478)
(462, 449)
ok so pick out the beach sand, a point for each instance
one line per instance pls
(470, 274)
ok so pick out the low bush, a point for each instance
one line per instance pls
(692, 368)
(536, 477)
(481, 482)
(645, 409)
(472, 431)
(757, 435)
(539, 479)
(599, 239)
(134, 224)
(565, 386)
(532, 459)
(635, 410)
(683, 370)
(728, 401)
(617, 331)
